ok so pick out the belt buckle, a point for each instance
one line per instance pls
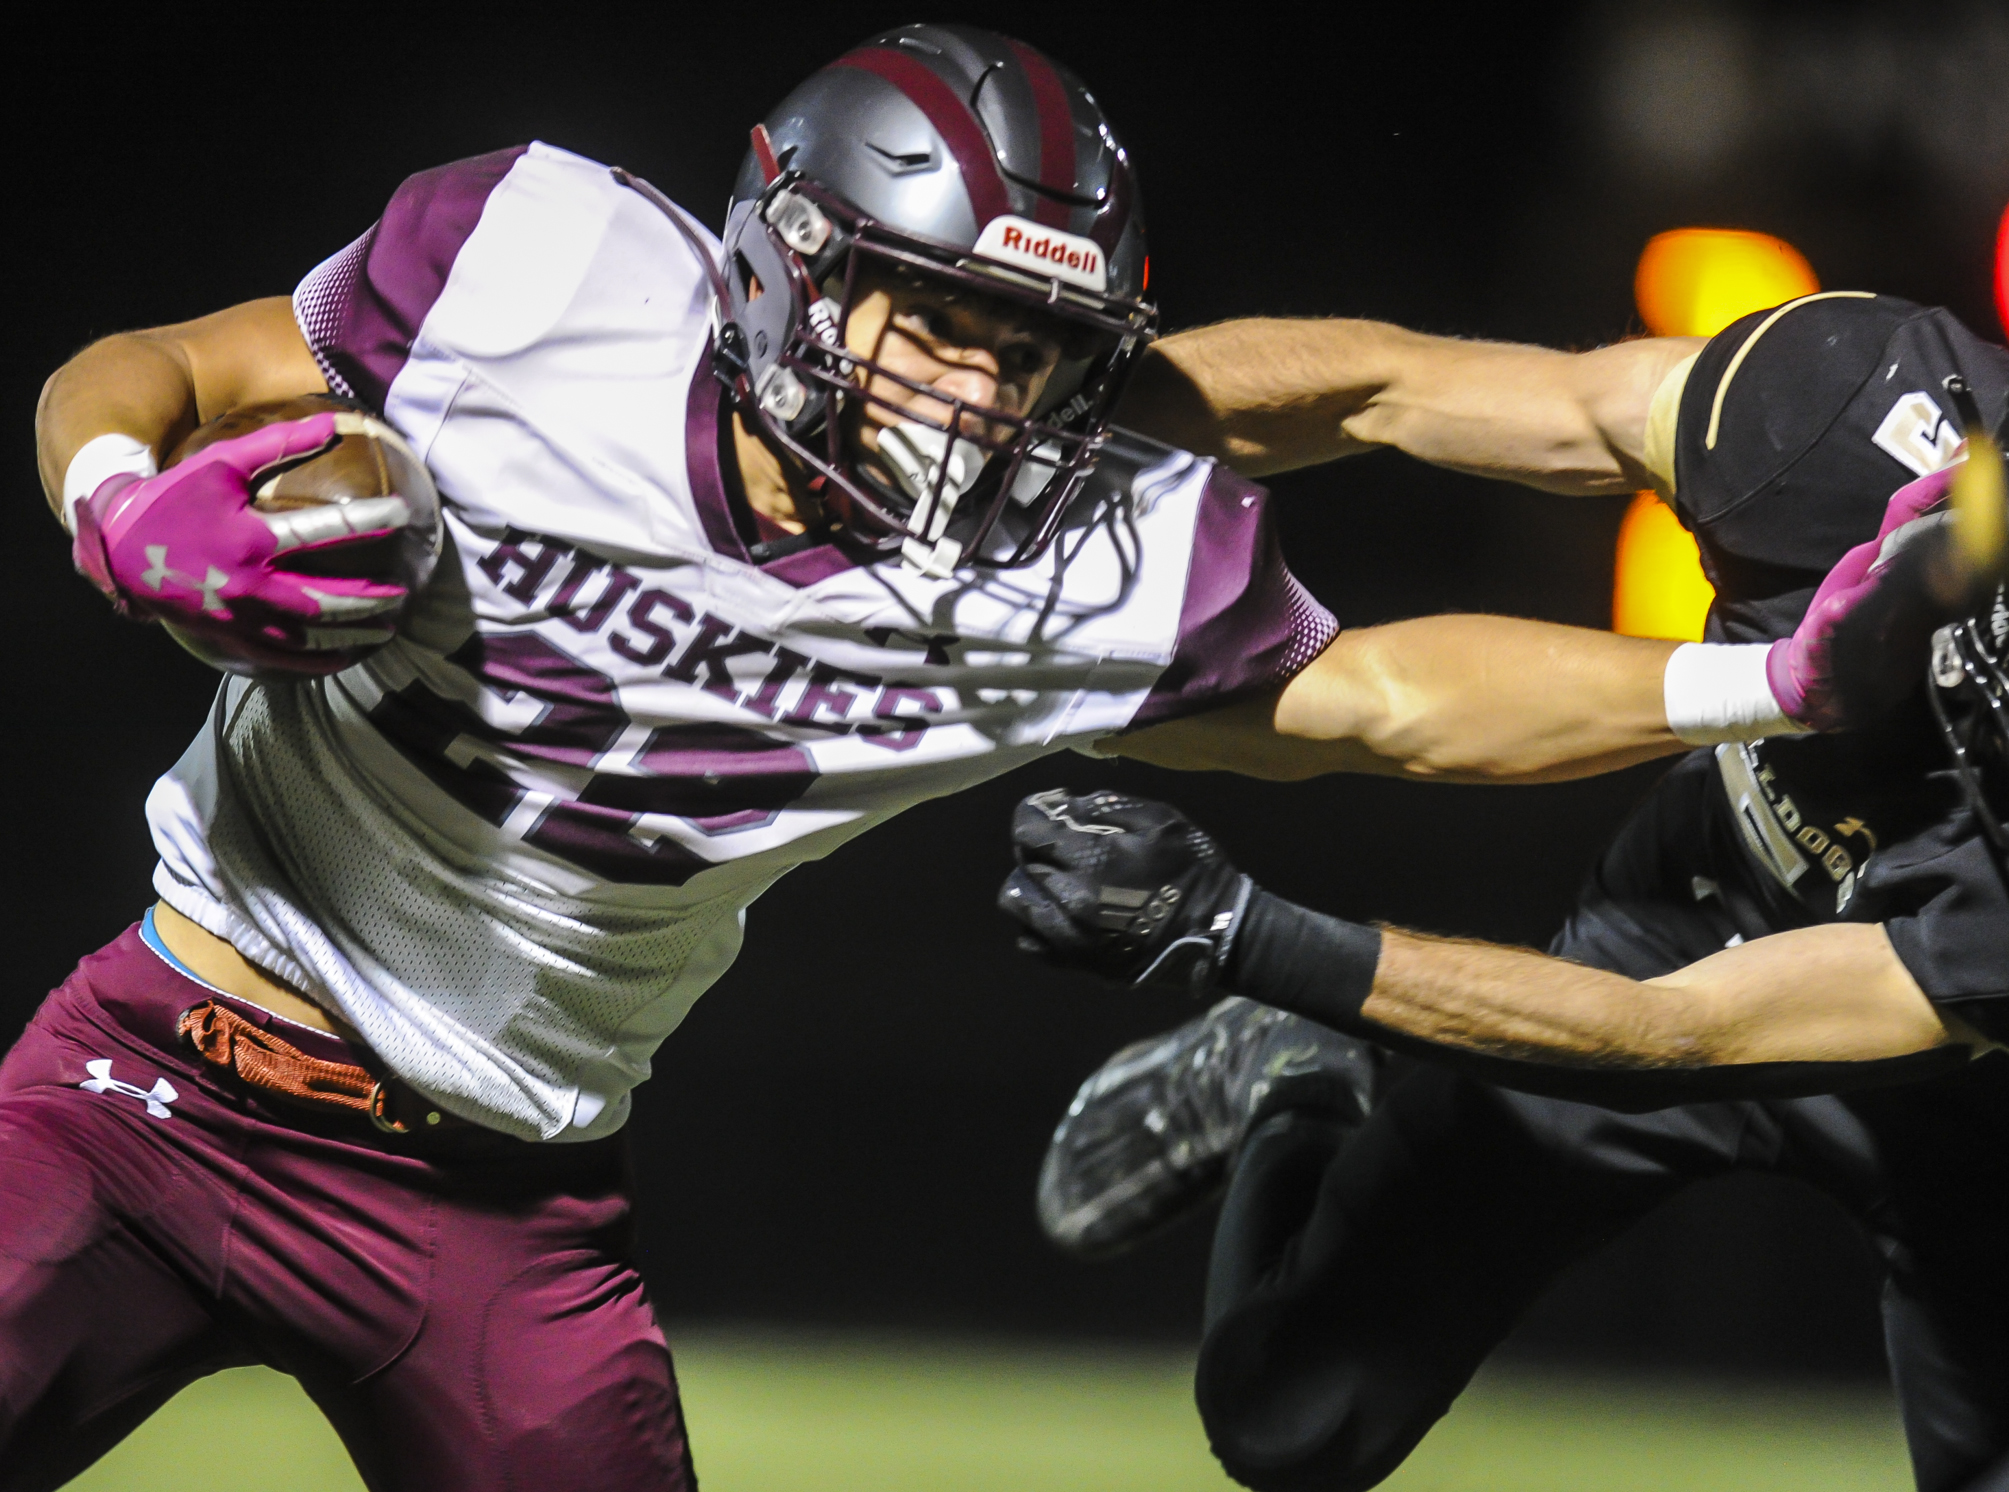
(376, 1113)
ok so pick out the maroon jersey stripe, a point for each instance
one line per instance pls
(952, 119)
(1245, 624)
(1056, 135)
(704, 409)
(362, 314)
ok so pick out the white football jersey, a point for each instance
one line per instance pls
(513, 847)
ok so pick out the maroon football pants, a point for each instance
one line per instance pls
(461, 1305)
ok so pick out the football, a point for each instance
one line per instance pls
(366, 459)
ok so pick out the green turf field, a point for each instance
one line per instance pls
(791, 1414)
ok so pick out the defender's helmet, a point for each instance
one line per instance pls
(1969, 676)
(1970, 700)
(957, 154)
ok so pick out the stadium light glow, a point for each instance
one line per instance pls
(1692, 282)
(1659, 589)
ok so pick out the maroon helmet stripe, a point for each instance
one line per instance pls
(763, 151)
(952, 119)
(1056, 134)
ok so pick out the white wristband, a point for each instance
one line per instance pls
(1718, 692)
(101, 457)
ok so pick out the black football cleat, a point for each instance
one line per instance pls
(1150, 1136)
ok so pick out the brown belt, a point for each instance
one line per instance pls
(263, 1061)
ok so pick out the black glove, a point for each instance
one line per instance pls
(1123, 887)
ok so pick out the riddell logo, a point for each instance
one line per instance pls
(1049, 251)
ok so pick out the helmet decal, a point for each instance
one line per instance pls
(1054, 251)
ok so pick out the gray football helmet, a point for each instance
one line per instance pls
(954, 153)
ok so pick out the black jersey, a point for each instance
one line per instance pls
(1796, 425)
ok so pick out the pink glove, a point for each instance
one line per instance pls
(187, 548)
(1801, 668)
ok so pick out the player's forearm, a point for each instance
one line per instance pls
(1513, 1002)
(1461, 995)
(155, 386)
(1479, 699)
(1444, 699)
(1823, 994)
(132, 384)
(1818, 1010)
(1573, 423)
(1269, 395)
(1263, 394)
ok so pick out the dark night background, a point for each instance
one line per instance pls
(847, 1129)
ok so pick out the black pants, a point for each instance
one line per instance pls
(1360, 1278)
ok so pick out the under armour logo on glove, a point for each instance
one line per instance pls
(156, 1098)
(190, 547)
(158, 574)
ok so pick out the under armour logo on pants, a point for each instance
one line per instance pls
(156, 1099)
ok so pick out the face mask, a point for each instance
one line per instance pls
(915, 455)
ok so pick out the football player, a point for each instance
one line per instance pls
(748, 546)
(1787, 961)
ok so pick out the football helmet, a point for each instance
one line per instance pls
(1970, 701)
(967, 159)
(1969, 671)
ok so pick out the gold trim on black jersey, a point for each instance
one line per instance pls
(1723, 384)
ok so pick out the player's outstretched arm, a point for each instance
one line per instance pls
(1836, 993)
(153, 387)
(1132, 890)
(1499, 699)
(1448, 698)
(1267, 394)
